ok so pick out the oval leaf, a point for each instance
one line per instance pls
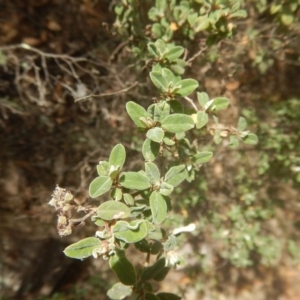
(152, 172)
(158, 207)
(134, 180)
(177, 123)
(202, 119)
(123, 269)
(168, 296)
(150, 150)
(202, 157)
(250, 139)
(220, 103)
(117, 156)
(100, 186)
(135, 112)
(176, 175)
(242, 124)
(166, 189)
(155, 134)
(159, 81)
(83, 248)
(131, 232)
(111, 210)
(119, 291)
(150, 272)
(174, 53)
(202, 98)
(187, 87)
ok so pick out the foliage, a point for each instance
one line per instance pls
(140, 200)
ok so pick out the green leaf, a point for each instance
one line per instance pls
(242, 124)
(202, 157)
(166, 189)
(177, 123)
(150, 272)
(158, 207)
(123, 269)
(103, 168)
(220, 103)
(157, 30)
(119, 291)
(159, 81)
(155, 134)
(202, 119)
(135, 112)
(157, 235)
(112, 210)
(202, 99)
(176, 106)
(162, 274)
(150, 150)
(174, 53)
(239, 14)
(233, 142)
(152, 49)
(176, 175)
(83, 249)
(131, 232)
(170, 77)
(168, 296)
(134, 180)
(100, 186)
(150, 296)
(117, 156)
(128, 199)
(250, 139)
(187, 87)
(152, 172)
(116, 194)
(171, 243)
(202, 23)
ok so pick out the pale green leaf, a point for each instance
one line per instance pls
(202, 98)
(158, 207)
(202, 119)
(117, 156)
(131, 232)
(174, 53)
(166, 189)
(134, 180)
(83, 249)
(159, 81)
(152, 172)
(250, 139)
(187, 87)
(119, 291)
(100, 186)
(112, 210)
(177, 123)
(202, 157)
(176, 175)
(136, 112)
(150, 150)
(155, 134)
(242, 124)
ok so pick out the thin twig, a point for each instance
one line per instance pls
(108, 94)
(191, 102)
(196, 55)
(79, 220)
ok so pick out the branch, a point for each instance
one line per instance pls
(108, 94)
